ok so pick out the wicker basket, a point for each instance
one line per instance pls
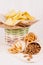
(11, 35)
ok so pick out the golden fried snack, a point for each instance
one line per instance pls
(10, 14)
(13, 50)
(12, 17)
(27, 16)
(16, 48)
(30, 37)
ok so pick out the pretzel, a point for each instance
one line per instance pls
(30, 37)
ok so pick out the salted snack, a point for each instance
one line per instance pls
(19, 15)
(30, 37)
(17, 47)
(31, 49)
(12, 17)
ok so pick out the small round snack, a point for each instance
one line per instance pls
(33, 48)
(30, 37)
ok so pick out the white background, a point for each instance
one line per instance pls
(35, 8)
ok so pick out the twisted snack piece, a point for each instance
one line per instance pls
(30, 37)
